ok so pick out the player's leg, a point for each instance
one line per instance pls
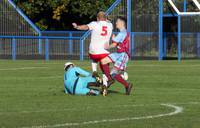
(94, 62)
(94, 66)
(117, 76)
(82, 87)
(105, 65)
(89, 82)
(88, 79)
(87, 91)
(119, 66)
(112, 58)
(97, 58)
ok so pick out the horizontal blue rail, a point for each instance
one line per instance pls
(78, 38)
(63, 32)
(46, 38)
(168, 33)
(40, 37)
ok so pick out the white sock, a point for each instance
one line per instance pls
(94, 66)
(105, 79)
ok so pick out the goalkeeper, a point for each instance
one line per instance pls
(77, 81)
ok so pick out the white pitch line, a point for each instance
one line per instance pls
(24, 68)
(88, 107)
(178, 109)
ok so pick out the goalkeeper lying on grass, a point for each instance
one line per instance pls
(78, 81)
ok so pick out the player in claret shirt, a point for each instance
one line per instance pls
(120, 58)
(100, 38)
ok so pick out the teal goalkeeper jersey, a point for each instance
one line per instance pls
(71, 75)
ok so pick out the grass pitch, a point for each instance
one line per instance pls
(31, 95)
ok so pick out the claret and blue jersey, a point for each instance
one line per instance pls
(120, 59)
(121, 36)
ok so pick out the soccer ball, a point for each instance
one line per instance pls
(124, 75)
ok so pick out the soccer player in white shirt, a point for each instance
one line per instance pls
(100, 38)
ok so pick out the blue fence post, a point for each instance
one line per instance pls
(160, 30)
(198, 45)
(81, 49)
(129, 15)
(46, 49)
(40, 45)
(165, 45)
(179, 38)
(185, 5)
(133, 45)
(70, 49)
(129, 19)
(13, 49)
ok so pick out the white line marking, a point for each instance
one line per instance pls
(24, 68)
(85, 108)
(178, 109)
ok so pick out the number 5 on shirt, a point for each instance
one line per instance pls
(104, 31)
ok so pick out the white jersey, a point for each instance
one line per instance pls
(100, 38)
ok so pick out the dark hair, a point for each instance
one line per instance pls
(68, 67)
(123, 19)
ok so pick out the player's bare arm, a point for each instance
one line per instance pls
(80, 27)
(113, 45)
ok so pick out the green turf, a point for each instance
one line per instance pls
(34, 96)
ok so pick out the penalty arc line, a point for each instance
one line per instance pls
(90, 107)
(178, 109)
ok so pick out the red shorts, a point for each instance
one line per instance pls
(98, 57)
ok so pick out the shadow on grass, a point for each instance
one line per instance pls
(109, 91)
(114, 92)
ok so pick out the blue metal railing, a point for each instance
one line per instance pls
(46, 38)
(136, 40)
(142, 44)
(192, 39)
(62, 32)
(39, 37)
